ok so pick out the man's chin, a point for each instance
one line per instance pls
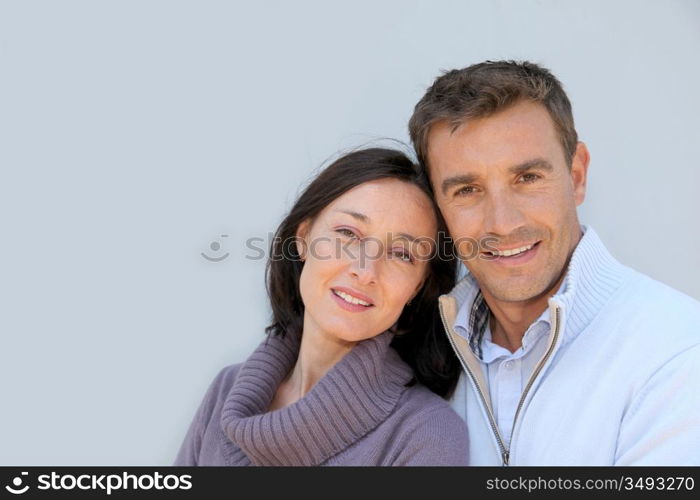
(512, 293)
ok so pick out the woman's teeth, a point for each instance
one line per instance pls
(349, 298)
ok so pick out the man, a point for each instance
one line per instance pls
(569, 357)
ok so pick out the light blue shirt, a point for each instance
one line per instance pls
(508, 373)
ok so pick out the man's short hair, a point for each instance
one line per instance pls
(483, 89)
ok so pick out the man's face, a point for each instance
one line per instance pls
(503, 181)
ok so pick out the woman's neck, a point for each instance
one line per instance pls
(318, 353)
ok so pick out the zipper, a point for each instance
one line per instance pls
(489, 411)
(505, 452)
(534, 375)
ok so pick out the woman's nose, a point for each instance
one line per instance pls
(366, 265)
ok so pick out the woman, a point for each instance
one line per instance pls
(353, 267)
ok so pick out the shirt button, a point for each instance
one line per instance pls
(509, 365)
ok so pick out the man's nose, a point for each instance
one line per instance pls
(503, 212)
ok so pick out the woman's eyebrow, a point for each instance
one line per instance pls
(406, 236)
(364, 218)
(356, 215)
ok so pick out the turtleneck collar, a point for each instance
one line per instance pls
(354, 397)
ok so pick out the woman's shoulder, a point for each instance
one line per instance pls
(223, 381)
(419, 401)
(218, 390)
(428, 430)
(201, 440)
(426, 410)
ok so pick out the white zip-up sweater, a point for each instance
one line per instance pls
(619, 383)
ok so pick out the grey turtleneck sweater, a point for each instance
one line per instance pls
(359, 413)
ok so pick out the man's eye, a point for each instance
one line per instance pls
(465, 191)
(528, 178)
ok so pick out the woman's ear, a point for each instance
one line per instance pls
(301, 239)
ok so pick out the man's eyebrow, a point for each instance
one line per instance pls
(356, 215)
(536, 164)
(457, 180)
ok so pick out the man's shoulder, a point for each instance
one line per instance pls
(650, 297)
(633, 290)
(653, 314)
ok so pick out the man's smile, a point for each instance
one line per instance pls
(513, 256)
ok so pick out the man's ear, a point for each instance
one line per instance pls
(579, 172)
(301, 239)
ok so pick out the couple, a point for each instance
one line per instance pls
(547, 352)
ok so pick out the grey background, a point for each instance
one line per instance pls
(133, 134)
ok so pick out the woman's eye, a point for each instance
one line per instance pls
(346, 232)
(403, 256)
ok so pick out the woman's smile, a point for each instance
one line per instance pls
(350, 300)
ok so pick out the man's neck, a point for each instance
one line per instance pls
(510, 320)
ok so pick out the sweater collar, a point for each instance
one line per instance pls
(591, 278)
(355, 396)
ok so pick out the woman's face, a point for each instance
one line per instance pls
(365, 256)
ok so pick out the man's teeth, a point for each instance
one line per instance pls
(349, 298)
(514, 251)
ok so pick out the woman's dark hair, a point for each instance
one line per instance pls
(420, 339)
